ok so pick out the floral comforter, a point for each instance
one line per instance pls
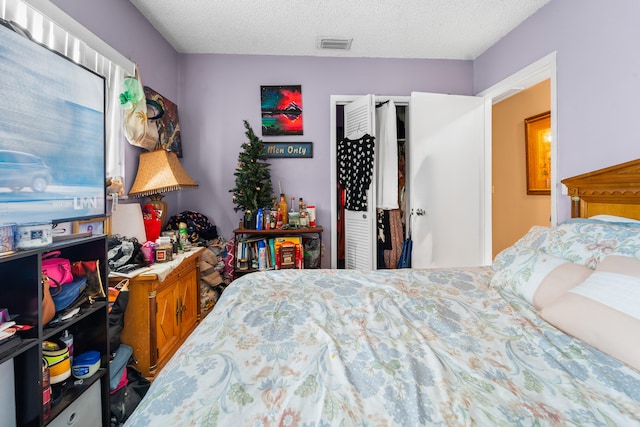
(385, 348)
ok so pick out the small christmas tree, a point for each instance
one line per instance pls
(253, 177)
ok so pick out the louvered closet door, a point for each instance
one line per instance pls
(359, 227)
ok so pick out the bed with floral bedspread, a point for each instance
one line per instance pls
(442, 347)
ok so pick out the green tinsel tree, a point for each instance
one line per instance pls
(253, 177)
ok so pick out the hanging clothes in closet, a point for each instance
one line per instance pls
(355, 170)
(386, 156)
(388, 212)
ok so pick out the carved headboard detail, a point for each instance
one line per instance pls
(614, 190)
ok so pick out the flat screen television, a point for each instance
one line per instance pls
(52, 134)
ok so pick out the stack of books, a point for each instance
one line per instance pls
(262, 253)
(9, 339)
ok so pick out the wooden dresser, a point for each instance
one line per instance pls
(163, 309)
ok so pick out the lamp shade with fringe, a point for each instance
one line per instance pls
(159, 172)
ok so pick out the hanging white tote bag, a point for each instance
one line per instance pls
(138, 129)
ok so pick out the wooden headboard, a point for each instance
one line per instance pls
(610, 191)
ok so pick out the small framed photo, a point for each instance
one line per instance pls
(93, 226)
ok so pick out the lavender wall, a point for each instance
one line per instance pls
(598, 78)
(217, 92)
(598, 85)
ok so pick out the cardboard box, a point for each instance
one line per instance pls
(292, 257)
(287, 255)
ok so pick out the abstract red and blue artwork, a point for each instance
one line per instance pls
(281, 110)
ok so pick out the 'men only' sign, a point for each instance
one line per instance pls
(288, 149)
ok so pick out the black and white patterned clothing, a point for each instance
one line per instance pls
(355, 170)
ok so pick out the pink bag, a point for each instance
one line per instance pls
(57, 269)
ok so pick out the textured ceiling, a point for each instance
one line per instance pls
(447, 29)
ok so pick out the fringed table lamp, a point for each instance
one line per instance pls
(160, 171)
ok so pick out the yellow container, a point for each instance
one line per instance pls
(56, 354)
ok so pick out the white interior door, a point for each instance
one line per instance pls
(448, 180)
(359, 226)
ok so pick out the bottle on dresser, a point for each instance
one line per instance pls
(260, 219)
(282, 208)
(304, 216)
(267, 218)
(273, 217)
(293, 215)
(311, 214)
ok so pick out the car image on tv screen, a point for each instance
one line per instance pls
(20, 170)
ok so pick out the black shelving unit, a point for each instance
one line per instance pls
(21, 294)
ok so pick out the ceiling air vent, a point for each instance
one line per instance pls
(334, 43)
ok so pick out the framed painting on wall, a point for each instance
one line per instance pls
(537, 137)
(281, 108)
(165, 114)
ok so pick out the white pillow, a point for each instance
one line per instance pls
(604, 310)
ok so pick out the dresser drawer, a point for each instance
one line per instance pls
(85, 411)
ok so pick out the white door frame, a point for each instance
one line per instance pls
(542, 69)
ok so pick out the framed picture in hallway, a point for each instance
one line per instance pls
(537, 136)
